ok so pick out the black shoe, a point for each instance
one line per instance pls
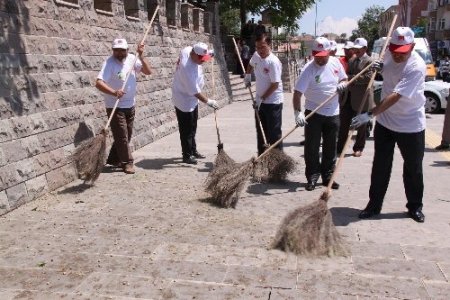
(442, 147)
(302, 143)
(198, 155)
(334, 185)
(417, 215)
(365, 214)
(190, 160)
(310, 186)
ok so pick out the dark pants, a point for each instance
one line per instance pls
(412, 147)
(270, 115)
(326, 128)
(187, 125)
(346, 115)
(122, 130)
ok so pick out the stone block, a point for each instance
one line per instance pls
(47, 161)
(69, 81)
(31, 145)
(21, 127)
(53, 82)
(37, 123)
(59, 177)
(5, 131)
(4, 204)
(14, 151)
(36, 187)
(25, 169)
(17, 195)
(8, 176)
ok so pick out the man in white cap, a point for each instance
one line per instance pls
(110, 81)
(349, 53)
(187, 88)
(333, 48)
(269, 91)
(355, 96)
(320, 79)
(400, 120)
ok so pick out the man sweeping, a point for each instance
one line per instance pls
(269, 91)
(320, 79)
(400, 120)
(186, 93)
(110, 81)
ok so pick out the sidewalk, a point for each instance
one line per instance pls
(151, 235)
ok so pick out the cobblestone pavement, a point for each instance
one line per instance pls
(152, 235)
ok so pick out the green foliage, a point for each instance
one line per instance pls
(230, 21)
(368, 24)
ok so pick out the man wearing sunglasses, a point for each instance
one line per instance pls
(401, 121)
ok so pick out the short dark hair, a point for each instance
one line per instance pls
(263, 37)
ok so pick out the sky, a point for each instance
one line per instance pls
(338, 16)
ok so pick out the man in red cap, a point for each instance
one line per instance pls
(400, 120)
(320, 79)
(186, 93)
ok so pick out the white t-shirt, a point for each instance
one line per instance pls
(407, 79)
(187, 82)
(318, 83)
(267, 71)
(113, 73)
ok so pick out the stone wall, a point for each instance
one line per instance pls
(50, 54)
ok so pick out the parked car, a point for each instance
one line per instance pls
(436, 92)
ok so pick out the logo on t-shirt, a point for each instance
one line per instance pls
(317, 78)
(121, 75)
(266, 70)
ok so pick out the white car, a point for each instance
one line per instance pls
(436, 92)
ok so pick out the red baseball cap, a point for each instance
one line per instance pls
(402, 40)
(321, 47)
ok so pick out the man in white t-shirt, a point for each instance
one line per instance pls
(187, 88)
(400, 120)
(269, 91)
(110, 81)
(319, 79)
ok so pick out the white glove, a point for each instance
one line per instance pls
(360, 120)
(300, 118)
(377, 65)
(248, 80)
(213, 104)
(341, 86)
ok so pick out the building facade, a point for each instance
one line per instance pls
(438, 31)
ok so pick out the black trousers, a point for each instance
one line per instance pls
(326, 128)
(187, 126)
(122, 130)
(271, 120)
(346, 115)
(412, 147)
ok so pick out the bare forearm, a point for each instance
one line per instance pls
(297, 100)
(386, 103)
(103, 87)
(146, 69)
(249, 69)
(272, 88)
(201, 97)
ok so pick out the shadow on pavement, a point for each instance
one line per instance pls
(160, 163)
(343, 216)
(208, 166)
(263, 187)
(76, 189)
(441, 163)
(210, 201)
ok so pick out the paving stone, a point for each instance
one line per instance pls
(438, 290)
(17, 195)
(445, 267)
(437, 254)
(374, 250)
(36, 187)
(261, 277)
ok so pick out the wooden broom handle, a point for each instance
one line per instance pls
(214, 96)
(251, 93)
(132, 66)
(366, 94)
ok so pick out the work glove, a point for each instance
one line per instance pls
(340, 88)
(300, 119)
(377, 66)
(257, 103)
(248, 80)
(360, 120)
(213, 104)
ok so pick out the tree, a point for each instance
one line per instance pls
(289, 10)
(368, 24)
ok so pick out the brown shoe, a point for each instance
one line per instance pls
(357, 153)
(129, 168)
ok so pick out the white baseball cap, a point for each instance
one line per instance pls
(349, 45)
(201, 49)
(333, 45)
(360, 43)
(321, 47)
(120, 44)
(402, 40)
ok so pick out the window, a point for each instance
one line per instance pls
(197, 15)
(131, 8)
(442, 24)
(103, 5)
(206, 23)
(186, 15)
(149, 7)
(432, 24)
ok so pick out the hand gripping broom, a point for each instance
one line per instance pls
(276, 165)
(90, 156)
(309, 230)
(230, 183)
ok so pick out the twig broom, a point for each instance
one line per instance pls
(90, 156)
(231, 181)
(309, 230)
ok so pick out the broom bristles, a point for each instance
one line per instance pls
(90, 157)
(222, 159)
(310, 231)
(275, 166)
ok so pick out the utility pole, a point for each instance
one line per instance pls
(315, 23)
